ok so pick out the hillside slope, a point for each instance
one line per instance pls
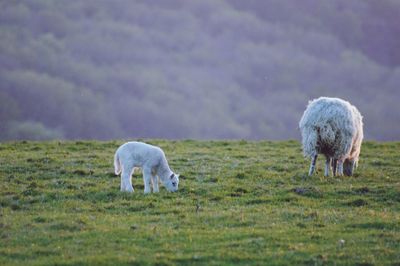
(193, 69)
(239, 202)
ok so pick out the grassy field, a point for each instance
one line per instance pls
(240, 202)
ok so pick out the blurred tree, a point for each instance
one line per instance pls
(193, 69)
(9, 112)
(30, 130)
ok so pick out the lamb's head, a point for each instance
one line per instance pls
(172, 182)
(348, 166)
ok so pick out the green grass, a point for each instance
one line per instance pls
(240, 202)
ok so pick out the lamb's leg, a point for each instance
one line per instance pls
(154, 180)
(147, 180)
(126, 179)
(312, 166)
(327, 165)
(334, 166)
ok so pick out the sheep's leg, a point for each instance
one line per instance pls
(126, 179)
(334, 166)
(154, 180)
(340, 167)
(327, 165)
(147, 180)
(348, 167)
(312, 166)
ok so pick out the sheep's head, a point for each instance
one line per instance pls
(172, 182)
(348, 167)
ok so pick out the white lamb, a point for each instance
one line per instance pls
(332, 127)
(151, 159)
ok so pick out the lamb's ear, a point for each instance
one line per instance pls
(171, 176)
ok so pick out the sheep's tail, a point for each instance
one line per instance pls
(117, 164)
(327, 134)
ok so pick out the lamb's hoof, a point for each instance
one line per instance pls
(129, 190)
(147, 192)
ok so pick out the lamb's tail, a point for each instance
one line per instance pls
(117, 164)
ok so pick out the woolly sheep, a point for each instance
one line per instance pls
(332, 127)
(151, 159)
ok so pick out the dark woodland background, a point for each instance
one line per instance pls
(203, 69)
